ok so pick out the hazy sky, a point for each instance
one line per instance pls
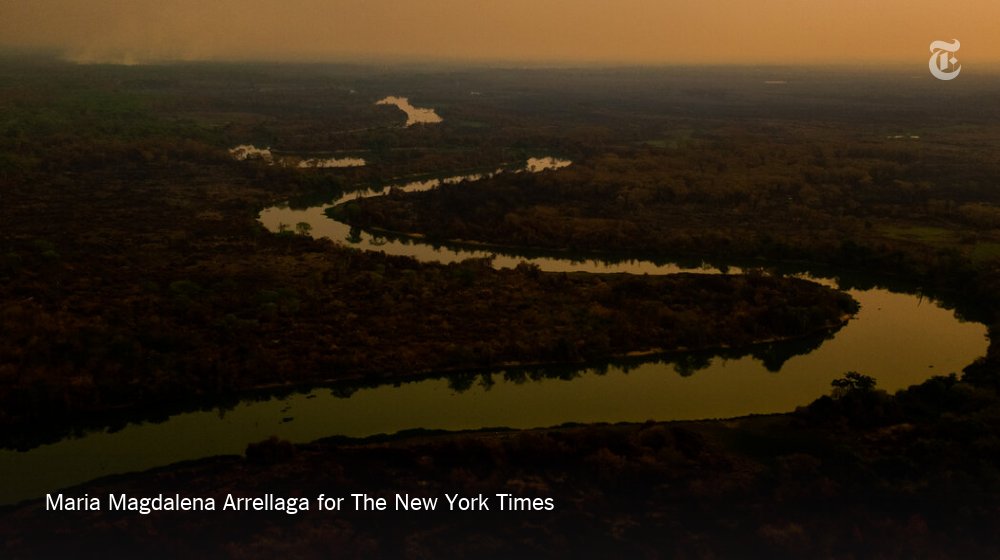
(642, 31)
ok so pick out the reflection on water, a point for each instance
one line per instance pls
(321, 163)
(536, 165)
(897, 338)
(533, 165)
(247, 152)
(414, 115)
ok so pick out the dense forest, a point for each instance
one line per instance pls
(136, 277)
(778, 193)
(150, 282)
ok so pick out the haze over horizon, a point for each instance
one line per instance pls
(530, 31)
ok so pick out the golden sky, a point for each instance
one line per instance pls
(611, 31)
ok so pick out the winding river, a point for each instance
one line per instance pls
(898, 338)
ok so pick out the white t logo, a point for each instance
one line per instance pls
(943, 64)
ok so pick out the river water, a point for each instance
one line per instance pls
(898, 338)
(414, 115)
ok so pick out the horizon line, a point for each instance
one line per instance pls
(128, 59)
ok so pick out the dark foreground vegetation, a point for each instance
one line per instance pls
(133, 274)
(862, 475)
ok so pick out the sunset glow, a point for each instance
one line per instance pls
(629, 31)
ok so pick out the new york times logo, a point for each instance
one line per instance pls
(943, 64)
